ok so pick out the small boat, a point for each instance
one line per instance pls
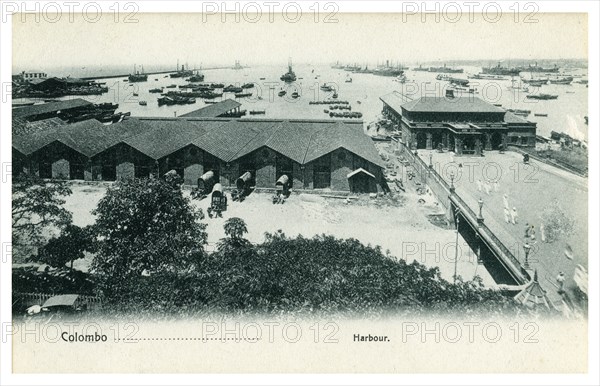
(295, 95)
(540, 114)
(325, 87)
(243, 94)
(348, 80)
(155, 90)
(156, 79)
(135, 94)
(281, 93)
(125, 80)
(359, 102)
(570, 92)
(248, 85)
(143, 103)
(232, 88)
(257, 112)
(326, 111)
(171, 86)
(335, 95)
(263, 78)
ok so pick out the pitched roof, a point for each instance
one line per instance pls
(27, 111)
(338, 136)
(300, 140)
(467, 104)
(395, 100)
(214, 110)
(164, 137)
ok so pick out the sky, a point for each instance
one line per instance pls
(162, 39)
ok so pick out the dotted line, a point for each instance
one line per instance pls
(186, 339)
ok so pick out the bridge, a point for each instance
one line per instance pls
(499, 260)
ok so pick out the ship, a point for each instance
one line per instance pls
(388, 70)
(536, 68)
(421, 68)
(197, 77)
(181, 73)
(542, 96)
(289, 76)
(137, 76)
(363, 70)
(447, 70)
(499, 70)
(237, 66)
(486, 76)
(337, 66)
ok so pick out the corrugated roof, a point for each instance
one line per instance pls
(467, 104)
(338, 136)
(300, 140)
(513, 118)
(214, 110)
(27, 111)
(164, 137)
(395, 100)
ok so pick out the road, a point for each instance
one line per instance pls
(530, 188)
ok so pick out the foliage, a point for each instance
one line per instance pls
(69, 246)
(145, 226)
(318, 275)
(235, 229)
(37, 209)
(51, 281)
(557, 222)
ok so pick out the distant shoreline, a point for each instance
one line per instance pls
(153, 73)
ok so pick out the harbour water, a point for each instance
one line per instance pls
(565, 114)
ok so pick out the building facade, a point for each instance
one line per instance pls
(315, 155)
(464, 125)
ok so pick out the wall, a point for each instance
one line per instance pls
(342, 163)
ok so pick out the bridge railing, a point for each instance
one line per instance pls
(441, 188)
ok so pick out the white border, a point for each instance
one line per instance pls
(6, 378)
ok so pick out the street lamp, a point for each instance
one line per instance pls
(527, 248)
(456, 212)
(452, 188)
(480, 216)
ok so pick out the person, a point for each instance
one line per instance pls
(532, 233)
(527, 228)
(506, 215)
(487, 187)
(561, 282)
(479, 185)
(543, 232)
(505, 199)
(514, 215)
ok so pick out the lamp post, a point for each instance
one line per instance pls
(456, 212)
(452, 188)
(526, 248)
(480, 216)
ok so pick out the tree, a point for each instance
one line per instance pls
(37, 210)
(557, 222)
(68, 247)
(235, 229)
(145, 226)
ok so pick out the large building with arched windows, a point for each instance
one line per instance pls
(465, 125)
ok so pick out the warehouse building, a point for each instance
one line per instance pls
(465, 125)
(314, 154)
